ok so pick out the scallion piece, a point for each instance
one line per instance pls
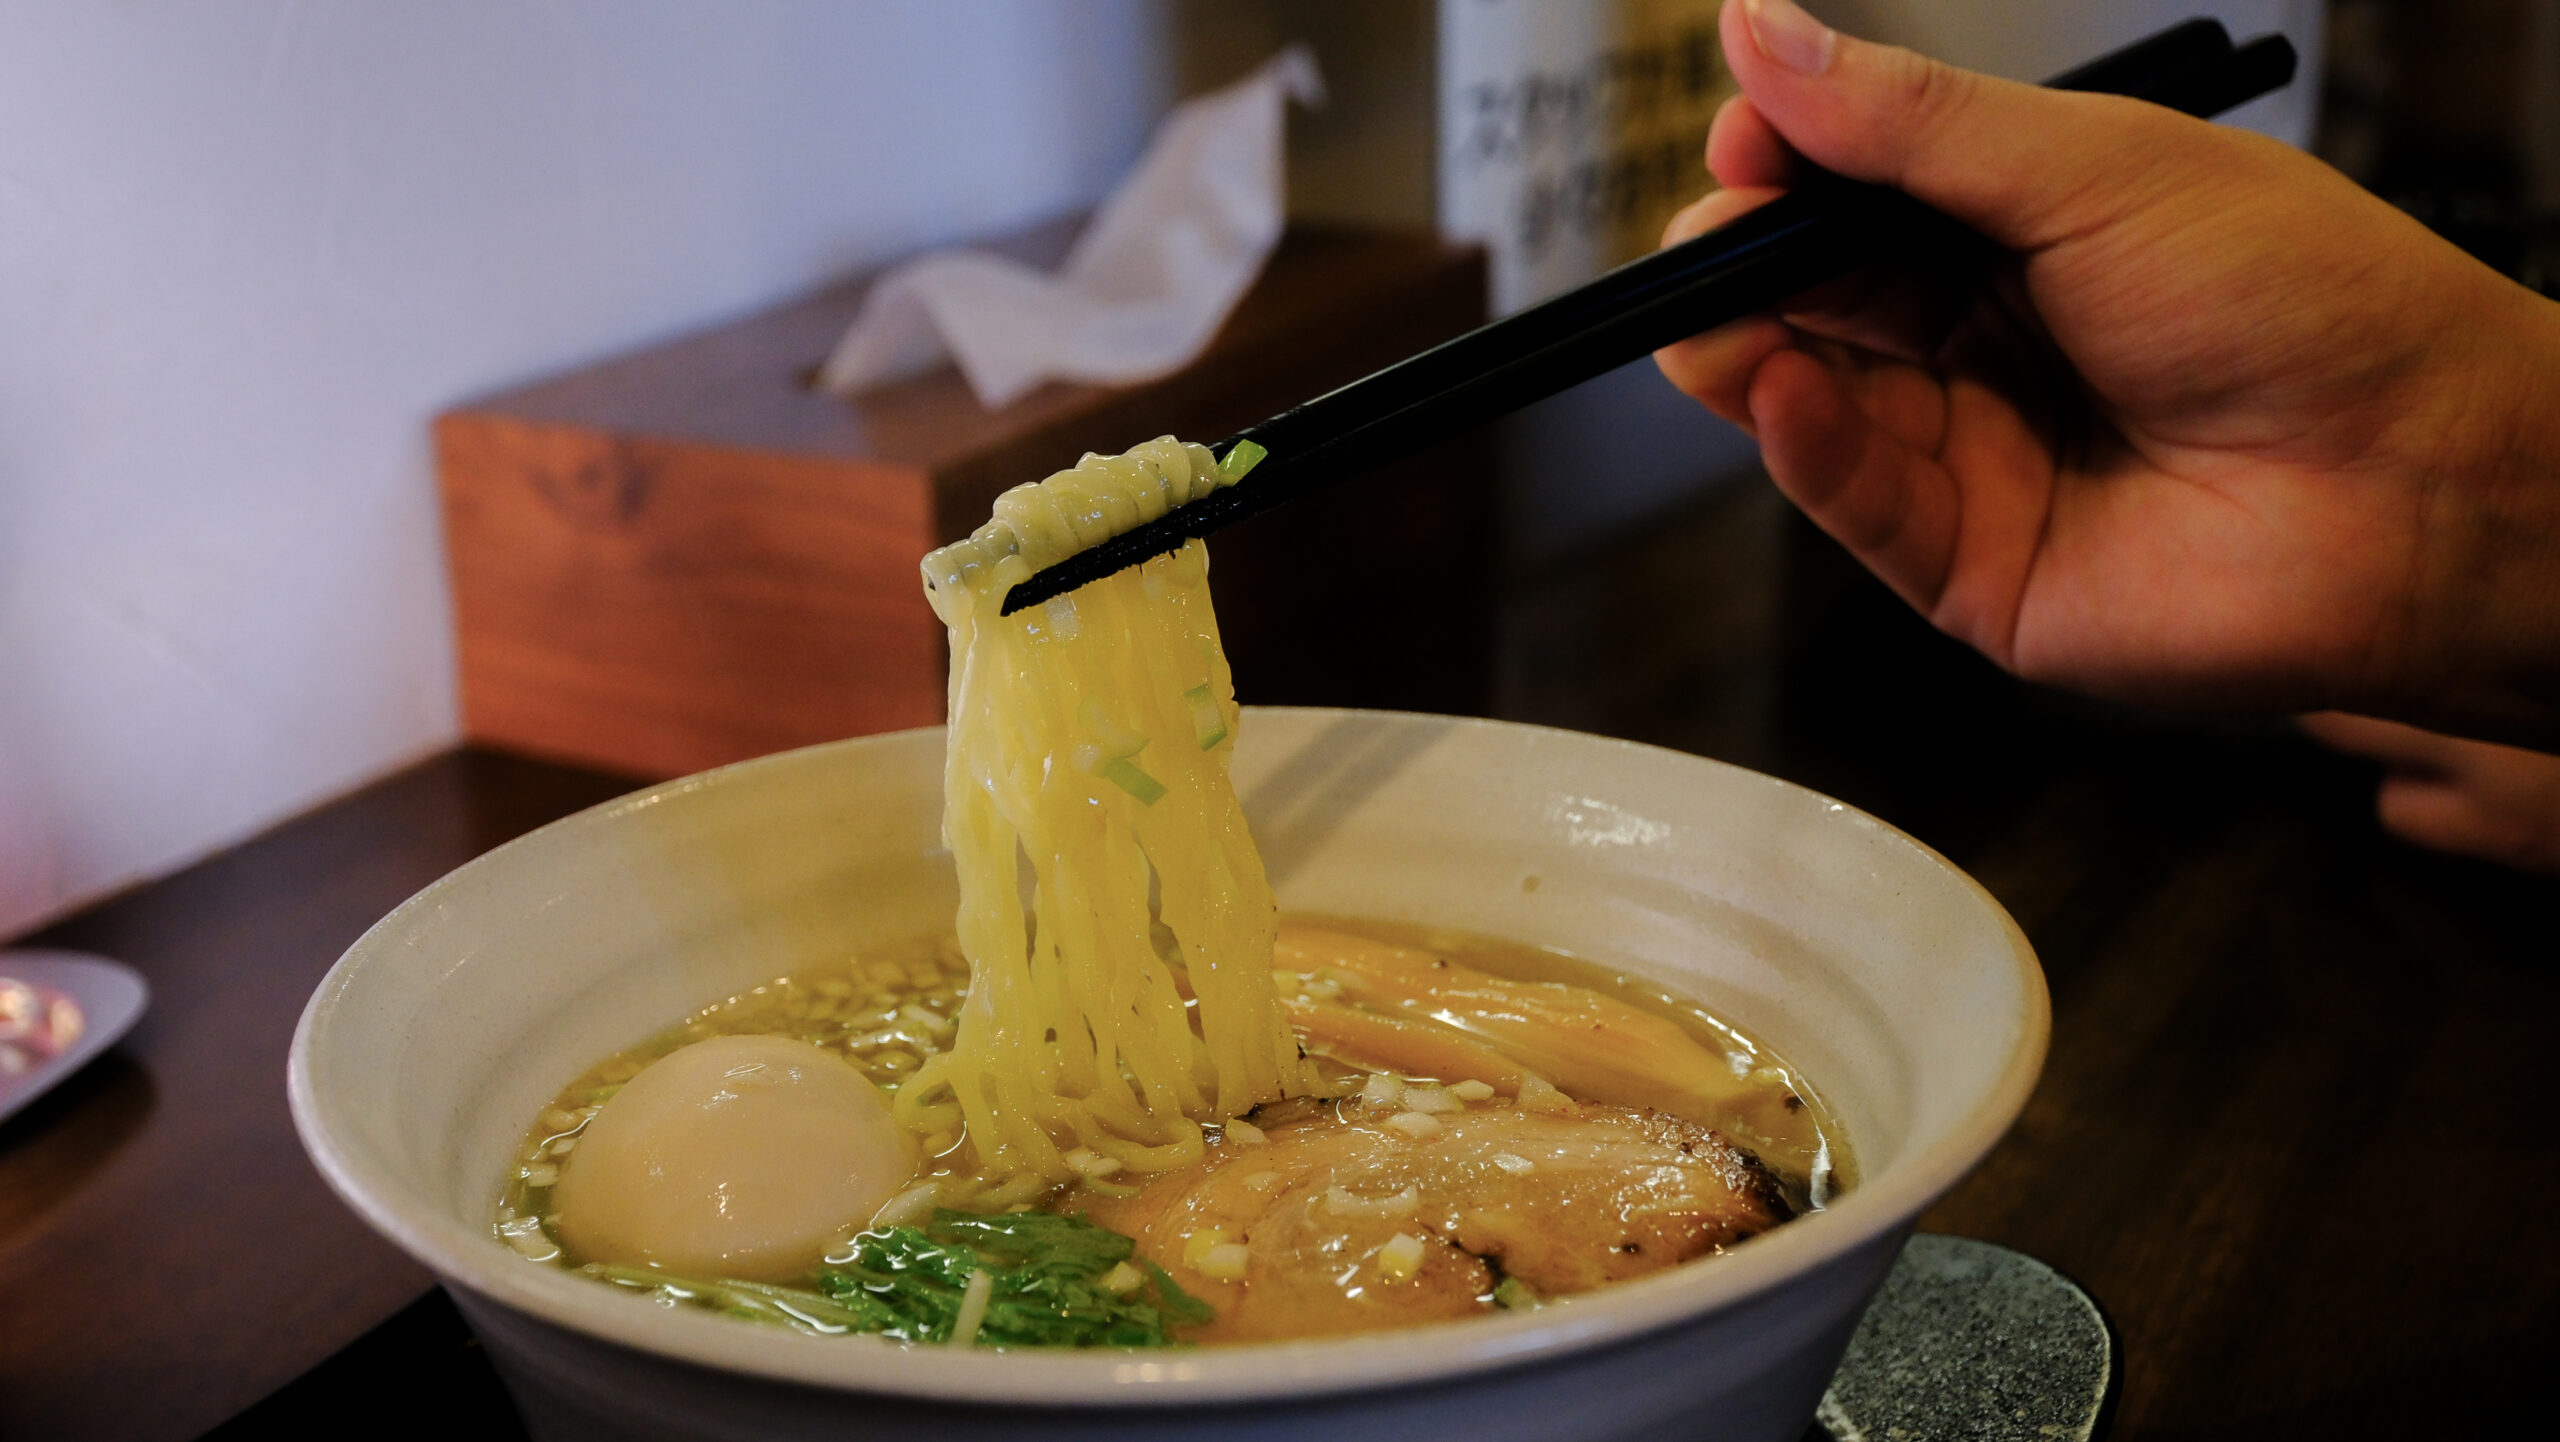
(1110, 738)
(1206, 719)
(1241, 457)
(1122, 772)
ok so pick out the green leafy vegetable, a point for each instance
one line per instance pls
(1240, 458)
(1048, 1274)
(1513, 1295)
(1051, 1278)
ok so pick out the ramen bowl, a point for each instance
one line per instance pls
(1885, 975)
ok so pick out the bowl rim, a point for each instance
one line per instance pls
(476, 1261)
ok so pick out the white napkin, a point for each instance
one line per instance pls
(1147, 285)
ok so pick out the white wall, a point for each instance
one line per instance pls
(248, 248)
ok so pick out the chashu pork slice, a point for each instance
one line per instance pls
(1328, 1209)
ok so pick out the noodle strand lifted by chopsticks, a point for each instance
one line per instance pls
(1091, 735)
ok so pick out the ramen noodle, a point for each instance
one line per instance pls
(1091, 736)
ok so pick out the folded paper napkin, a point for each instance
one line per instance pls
(1146, 286)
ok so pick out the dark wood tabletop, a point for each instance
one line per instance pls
(167, 1255)
(2295, 1132)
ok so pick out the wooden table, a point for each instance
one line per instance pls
(2295, 1134)
(167, 1255)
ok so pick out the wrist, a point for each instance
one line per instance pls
(2483, 656)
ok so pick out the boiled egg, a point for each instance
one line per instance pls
(740, 1156)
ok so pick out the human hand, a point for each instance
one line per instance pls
(2471, 797)
(2217, 428)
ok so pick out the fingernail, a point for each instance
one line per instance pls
(1789, 36)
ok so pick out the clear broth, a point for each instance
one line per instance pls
(886, 1010)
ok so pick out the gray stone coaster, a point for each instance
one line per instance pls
(1969, 1342)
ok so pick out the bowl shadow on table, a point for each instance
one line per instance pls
(419, 1375)
(2277, 1031)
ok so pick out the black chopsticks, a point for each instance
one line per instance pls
(1821, 229)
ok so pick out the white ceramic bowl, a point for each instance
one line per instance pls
(1898, 985)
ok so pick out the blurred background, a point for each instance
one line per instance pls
(399, 400)
(248, 252)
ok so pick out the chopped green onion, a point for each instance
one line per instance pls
(1206, 718)
(1240, 458)
(1111, 755)
(1122, 772)
(1513, 1295)
(973, 1308)
(1114, 738)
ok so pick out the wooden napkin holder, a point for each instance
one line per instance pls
(687, 556)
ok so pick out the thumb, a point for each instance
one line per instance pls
(2023, 165)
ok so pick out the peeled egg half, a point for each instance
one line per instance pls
(740, 1156)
